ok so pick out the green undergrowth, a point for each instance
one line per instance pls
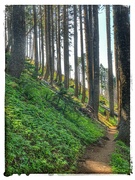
(44, 132)
(120, 159)
(113, 120)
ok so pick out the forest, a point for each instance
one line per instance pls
(65, 112)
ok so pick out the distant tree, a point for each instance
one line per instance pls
(110, 72)
(103, 79)
(122, 35)
(16, 63)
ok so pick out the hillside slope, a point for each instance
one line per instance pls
(44, 132)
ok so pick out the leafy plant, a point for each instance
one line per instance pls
(120, 159)
(39, 137)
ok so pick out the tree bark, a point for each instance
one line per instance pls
(46, 43)
(42, 42)
(59, 49)
(88, 56)
(75, 52)
(82, 56)
(66, 47)
(35, 40)
(16, 64)
(96, 60)
(110, 73)
(122, 32)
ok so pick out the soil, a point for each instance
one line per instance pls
(97, 156)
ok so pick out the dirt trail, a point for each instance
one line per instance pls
(97, 156)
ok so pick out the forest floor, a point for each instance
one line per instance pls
(97, 156)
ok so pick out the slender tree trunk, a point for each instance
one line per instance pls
(122, 34)
(82, 56)
(96, 60)
(42, 42)
(16, 64)
(46, 43)
(33, 49)
(26, 49)
(66, 48)
(39, 45)
(91, 49)
(59, 48)
(35, 40)
(88, 56)
(110, 73)
(75, 52)
(52, 42)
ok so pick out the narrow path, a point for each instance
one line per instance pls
(97, 156)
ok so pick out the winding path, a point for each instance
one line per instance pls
(97, 156)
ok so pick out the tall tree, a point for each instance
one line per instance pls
(89, 55)
(52, 41)
(75, 51)
(42, 41)
(116, 64)
(122, 35)
(46, 43)
(82, 55)
(66, 46)
(59, 48)
(35, 40)
(110, 73)
(96, 60)
(16, 64)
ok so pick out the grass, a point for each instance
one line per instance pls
(43, 135)
(120, 159)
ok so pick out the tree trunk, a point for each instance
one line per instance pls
(110, 73)
(16, 64)
(42, 42)
(66, 48)
(46, 43)
(122, 32)
(96, 60)
(9, 21)
(82, 56)
(75, 52)
(89, 54)
(50, 44)
(52, 41)
(35, 40)
(116, 63)
(59, 49)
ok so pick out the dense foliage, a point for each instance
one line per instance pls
(41, 136)
(120, 159)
